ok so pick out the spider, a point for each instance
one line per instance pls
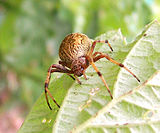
(76, 54)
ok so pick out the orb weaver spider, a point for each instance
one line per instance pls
(76, 54)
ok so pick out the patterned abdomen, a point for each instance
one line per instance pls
(73, 46)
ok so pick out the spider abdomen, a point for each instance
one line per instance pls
(74, 46)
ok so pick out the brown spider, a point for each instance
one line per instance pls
(76, 54)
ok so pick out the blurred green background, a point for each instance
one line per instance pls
(32, 30)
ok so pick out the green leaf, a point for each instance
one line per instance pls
(88, 107)
(41, 118)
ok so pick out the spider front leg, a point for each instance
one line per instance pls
(57, 68)
(79, 82)
(85, 77)
(102, 55)
(91, 61)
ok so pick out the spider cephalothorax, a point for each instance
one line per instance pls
(76, 54)
(79, 65)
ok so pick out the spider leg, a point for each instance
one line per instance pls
(79, 82)
(58, 68)
(71, 76)
(100, 75)
(102, 55)
(84, 74)
(64, 64)
(99, 41)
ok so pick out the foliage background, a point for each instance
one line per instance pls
(31, 32)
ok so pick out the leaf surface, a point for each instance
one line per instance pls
(41, 118)
(89, 108)
(135, 107)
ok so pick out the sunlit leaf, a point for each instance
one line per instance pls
(89, 108)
